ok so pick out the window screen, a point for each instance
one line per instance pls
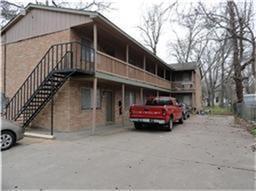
(86, 98)
(130, 98)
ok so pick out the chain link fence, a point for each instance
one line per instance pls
(244, 111)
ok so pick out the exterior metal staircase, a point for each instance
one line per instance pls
(59, 63)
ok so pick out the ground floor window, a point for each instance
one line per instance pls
(86, 98)
(187, 99)
(130, 98)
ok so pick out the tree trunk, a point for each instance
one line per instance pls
(236, 63)
(222, 84)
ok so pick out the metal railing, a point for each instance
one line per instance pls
(183, 85)
(65, 57)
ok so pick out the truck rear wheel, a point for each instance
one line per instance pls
(184, 115)
(170, 125)
(137, 125)
(181, 120)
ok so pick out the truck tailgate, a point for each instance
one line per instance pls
(150, 112)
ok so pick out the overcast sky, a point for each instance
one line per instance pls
(128, 13)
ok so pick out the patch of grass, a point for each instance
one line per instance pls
(253, 131)
(250, 127)
(216, 110)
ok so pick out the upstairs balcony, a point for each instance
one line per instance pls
(183, 86)
(111, 65)
(117, 55)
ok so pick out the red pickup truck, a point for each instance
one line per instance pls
(157, 111)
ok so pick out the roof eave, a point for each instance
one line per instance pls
(30, 6)
(92, 14)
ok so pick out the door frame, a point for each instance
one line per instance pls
(113, 107)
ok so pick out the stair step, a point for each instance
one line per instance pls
(26, 112)
(37, 101)
(41, 96)
(45, 88)
(34, 104)
(43, 93)
(54, 80)
(48, 83)
(58, 76)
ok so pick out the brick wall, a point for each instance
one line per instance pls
(69, 116)
(61, 111)
(198, 90)
(23, 56)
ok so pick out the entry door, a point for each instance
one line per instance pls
(109, 106)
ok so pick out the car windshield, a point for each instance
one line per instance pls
(159, 101)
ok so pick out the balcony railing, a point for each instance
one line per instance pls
(183, 86)
(109, 64)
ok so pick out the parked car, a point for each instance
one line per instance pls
(10, 133)
(161, 111)
(186, 111)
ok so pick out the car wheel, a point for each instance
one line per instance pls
(181, 120)
(170, 125)
(7, 140)
(137, 125)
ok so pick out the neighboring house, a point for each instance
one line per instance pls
(186, 84)
(92, 69)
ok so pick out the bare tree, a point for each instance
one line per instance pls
(8, 10)
(203, 45)
(238, 24)
(93, 5)
(188, 47)
(152, 25)
(221, 40)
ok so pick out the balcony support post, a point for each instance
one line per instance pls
(94, 105)
(164, 73)
(141, 96)
(144, 67)
(157, 93)
(95, 42)
(193, 101)
(123, 104)
(52, 105)
(127, 60)
(156, 69)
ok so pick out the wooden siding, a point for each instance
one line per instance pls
(111, 65)
(39, 22)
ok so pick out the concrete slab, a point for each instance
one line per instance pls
(38, 135)
(207, 152)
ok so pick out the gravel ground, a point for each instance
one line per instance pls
(206, 152)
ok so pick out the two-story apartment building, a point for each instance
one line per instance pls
(76, 69)
(186, 84)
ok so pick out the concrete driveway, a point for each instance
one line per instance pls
(205, 152)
